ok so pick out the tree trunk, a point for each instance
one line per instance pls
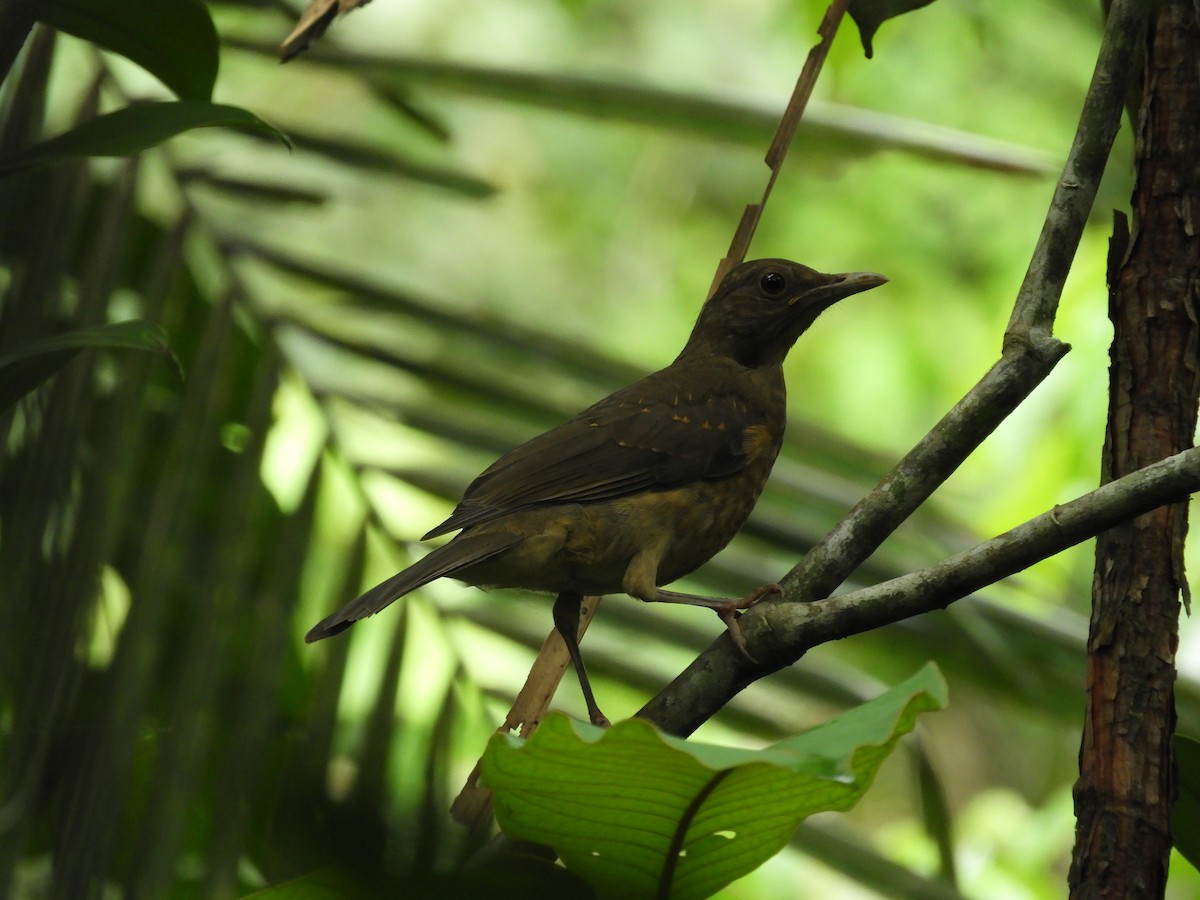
(1126, 785)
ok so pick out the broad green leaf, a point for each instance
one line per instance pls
(641, 814)
(868, 15)
(174, 41)
(1185, 819)
(23, 370)
(134, 129)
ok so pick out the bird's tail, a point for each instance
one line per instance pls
(465, 550)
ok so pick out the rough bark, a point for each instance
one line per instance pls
(1126, 787)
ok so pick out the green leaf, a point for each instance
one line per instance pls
(641, 814)
(174, 41)
(23, 370)
(868, 15)
(134, 129)
(1185, 818)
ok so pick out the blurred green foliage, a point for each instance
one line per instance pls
(455, 256)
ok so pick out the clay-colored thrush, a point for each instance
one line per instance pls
(648, 484)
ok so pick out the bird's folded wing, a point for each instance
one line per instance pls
(623, 445)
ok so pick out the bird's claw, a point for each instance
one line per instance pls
(729, 615)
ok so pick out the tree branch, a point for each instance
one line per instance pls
(783, 632)
(1029, 354)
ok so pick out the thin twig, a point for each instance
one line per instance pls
(782, 141)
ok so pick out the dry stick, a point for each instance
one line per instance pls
(782, 140)
(1030, 351)
(472, 808)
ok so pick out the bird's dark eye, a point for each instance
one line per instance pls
(772, 283)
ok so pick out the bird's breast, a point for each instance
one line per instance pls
(690, 523)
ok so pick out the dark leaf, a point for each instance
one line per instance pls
(397, 97)
(1185, 819)
(868, 15)
(23, 370)
(134, 129)
(175, 41)
(257, 191)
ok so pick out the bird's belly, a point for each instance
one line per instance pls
(588, 548)
(705, 518)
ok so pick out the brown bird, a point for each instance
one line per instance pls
(646, 485)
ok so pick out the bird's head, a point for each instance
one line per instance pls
(762, 307)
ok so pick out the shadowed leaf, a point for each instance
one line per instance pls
(868, 15)
(174, 41)
(1185, 818)
(134, 129)
(23, 370)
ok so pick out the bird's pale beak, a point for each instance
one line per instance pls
(840, 286)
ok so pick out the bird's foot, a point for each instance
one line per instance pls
(728, 614)
(754, 596)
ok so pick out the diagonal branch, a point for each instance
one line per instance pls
(1030, 351)
(783, 632)
(958, 576)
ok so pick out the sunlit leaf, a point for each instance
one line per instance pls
(134, 129)
(175, 41)
(23, 370)
(639, 813)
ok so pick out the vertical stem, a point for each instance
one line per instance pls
(1126, 785)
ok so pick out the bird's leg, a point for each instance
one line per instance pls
(725, 608)
(566, 620)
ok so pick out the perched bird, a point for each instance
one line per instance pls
(649, 483)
